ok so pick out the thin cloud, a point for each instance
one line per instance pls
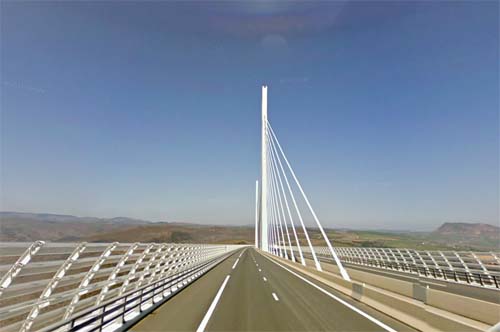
(22, 86)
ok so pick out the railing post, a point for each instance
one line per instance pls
(102, 318)
(480, 279)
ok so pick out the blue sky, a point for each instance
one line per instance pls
(387, 110)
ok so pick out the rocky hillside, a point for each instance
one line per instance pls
(477, 236)
(27, 227)
(468, 229)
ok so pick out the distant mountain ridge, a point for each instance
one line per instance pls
(471, 229)
(479, 236)
(49, 217)
(28, 227)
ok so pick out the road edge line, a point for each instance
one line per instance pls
(324, 291)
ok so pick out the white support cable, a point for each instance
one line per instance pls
(269, 220)
(271, 214)
(273, 172)
(276, 192)
(343, 271)
(274, 221)
(275, 240)
(288, 210)
(313, 253)
(270, 236)
(276, 211)
(272, 247)
(282, 220)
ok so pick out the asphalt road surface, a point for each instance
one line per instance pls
(250, 292)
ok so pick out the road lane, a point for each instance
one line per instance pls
(249, 292)
(284, 302)
(185, 310)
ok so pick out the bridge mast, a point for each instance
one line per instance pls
(263, 196)
(257, 214)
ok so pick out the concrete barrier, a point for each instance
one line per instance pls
(419, 307)
(482, 311)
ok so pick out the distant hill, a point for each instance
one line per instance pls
(468, 229)
(49, 217)
(15, 226)
(473, 235)
(27, 227)
(179, 233)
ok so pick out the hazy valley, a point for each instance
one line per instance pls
(65, 228)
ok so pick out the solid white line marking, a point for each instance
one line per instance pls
(350, 306)
(235, 263)
(264, 278)
(275, 297)
(211, 309)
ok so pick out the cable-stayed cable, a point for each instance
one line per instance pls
(275, 174)
(276, 196)
(287, 207)
(274, 209)
(343, 272)
(297, 210)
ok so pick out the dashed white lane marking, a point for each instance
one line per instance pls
(275, 297)
(336, 298)
(211, 309)
(260, 270)
(264, 278)
(235, 263)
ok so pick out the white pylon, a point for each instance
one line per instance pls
(264, 185)
(256, 214)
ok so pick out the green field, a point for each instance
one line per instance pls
(417, 240)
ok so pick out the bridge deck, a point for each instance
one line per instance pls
(471, 291)
(247, 303)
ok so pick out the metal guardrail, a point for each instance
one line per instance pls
(476, 268)
(121, 312)
(69, 284)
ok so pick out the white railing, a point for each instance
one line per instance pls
(477, 268)
(70, 284)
